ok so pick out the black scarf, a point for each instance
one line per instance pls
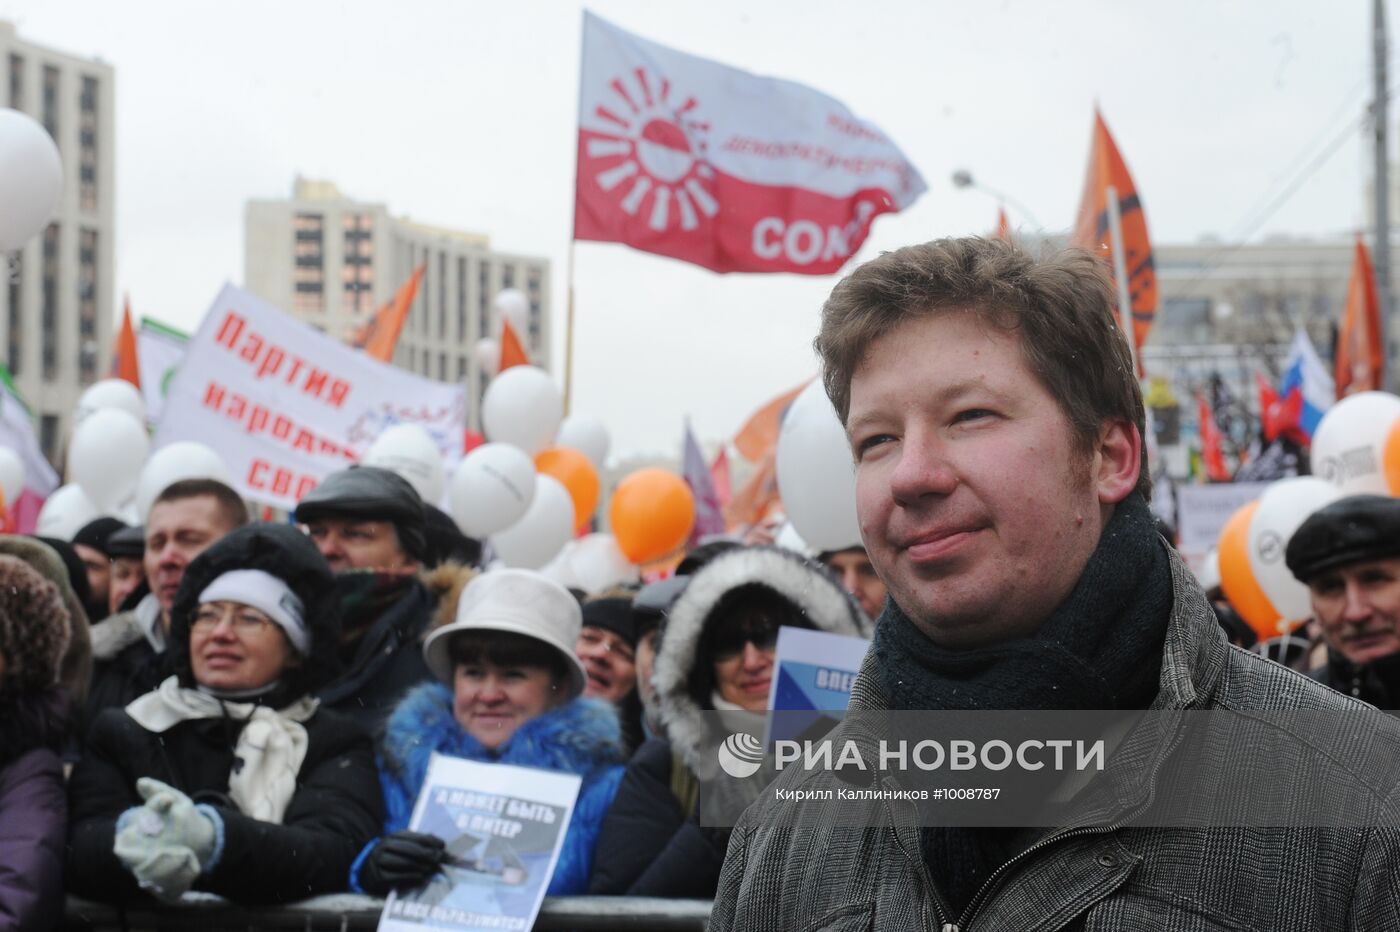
(1378, 682)
(1099, 649)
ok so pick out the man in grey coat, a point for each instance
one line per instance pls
(1001, 485)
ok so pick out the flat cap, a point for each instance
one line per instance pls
(1361, 527)
(368, 493)
(128, 542)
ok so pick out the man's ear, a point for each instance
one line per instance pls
(1117, 461)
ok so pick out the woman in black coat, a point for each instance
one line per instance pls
(228, 778)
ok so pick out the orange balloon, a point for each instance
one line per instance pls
(576, 474)
(651, 514)
(1237, 579)
(1390, 459)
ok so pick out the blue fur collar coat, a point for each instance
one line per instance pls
(581, 738)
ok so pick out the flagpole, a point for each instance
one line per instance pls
(1380, 116)
(1120, 274)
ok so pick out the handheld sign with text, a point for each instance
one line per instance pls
(504, 827)
(812, 673)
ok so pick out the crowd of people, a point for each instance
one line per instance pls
(208, 703)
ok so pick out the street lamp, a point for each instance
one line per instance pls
(962, 178)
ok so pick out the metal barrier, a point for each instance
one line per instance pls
(347, 912)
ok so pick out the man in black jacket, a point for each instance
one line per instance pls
(1348, 555)
(368, 523)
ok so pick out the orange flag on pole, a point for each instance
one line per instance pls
(379, 337)
(1359, 354)
(124, 361)
(752, 503)
(1003, 230)
(1212, 450)
(1092, 228)
(759, 434)
(512, 350)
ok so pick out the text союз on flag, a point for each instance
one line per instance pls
(705, 163)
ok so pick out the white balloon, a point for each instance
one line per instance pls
(31, 178)
(816, 477)
(410, 451)
(586, 435)
(597, 563)
(106, 455)
(512, 305)
(522, 407)
(492, 489)
(561, 568)
(184, 459)
(488, 355)
(1282, 508)
(547, 525)
(1210, 571)
(11, 476)
(65, 512)
(110, 393)
(1349, 445)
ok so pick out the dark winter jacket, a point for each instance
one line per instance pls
(1377, 682)
(336, 808)
(579, 738)
(650, 844)
(797, 868)
(125, 665)
(33, 811)
(335, 811)
(387, 663)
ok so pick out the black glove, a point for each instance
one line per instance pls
(401, 861)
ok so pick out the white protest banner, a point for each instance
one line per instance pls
(504, 827)
(159, 350)
(1202, 511)
(285, 405)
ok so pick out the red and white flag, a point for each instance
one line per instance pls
(691, 159)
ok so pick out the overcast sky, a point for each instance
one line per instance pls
(462, 114)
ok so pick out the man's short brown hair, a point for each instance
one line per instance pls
(231, 506)
(1061, 308)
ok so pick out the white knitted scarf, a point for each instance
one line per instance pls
(272, 745)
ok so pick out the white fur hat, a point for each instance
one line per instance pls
(520, 602)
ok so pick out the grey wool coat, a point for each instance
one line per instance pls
(794, 870)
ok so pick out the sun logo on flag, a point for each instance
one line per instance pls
(663, 148)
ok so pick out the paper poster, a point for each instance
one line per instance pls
(812, 673)
(504, 827)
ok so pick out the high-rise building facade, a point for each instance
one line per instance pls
(57, 322)
(332, 261)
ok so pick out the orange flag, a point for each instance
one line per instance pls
(1091, 229)
(512, 350)
(1003, 230)
(380, 335)
(752, 503)
(1359, 354)
(759, 435)
(1212, 451)
(124, 360)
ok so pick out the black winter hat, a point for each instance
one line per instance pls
(128, 542)
(97, 533)
(369, 493)
(614, 614)
(285, 552)
(1361, 527)
(77, 570)
(653, 603)
(446, 542)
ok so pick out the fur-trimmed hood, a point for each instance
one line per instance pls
(75, 669)
(807, 585)
(446, 582)
(580, 738)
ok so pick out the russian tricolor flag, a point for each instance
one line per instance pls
(1305, 377)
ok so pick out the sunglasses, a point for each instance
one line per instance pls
(730, 644)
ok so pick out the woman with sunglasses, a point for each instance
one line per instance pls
(716, 655)
(228, 778)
